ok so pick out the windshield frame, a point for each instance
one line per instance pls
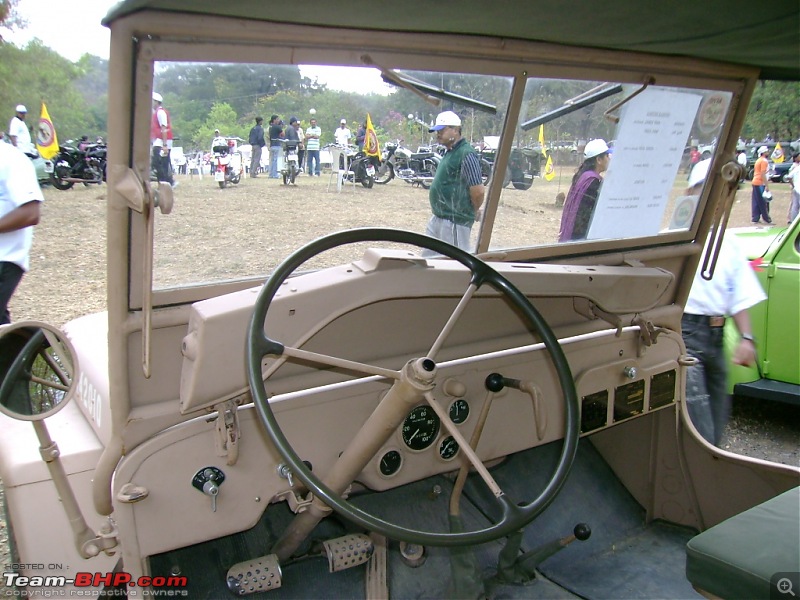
(175, 38)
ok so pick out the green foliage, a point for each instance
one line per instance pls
(204, 97)
(36, 74)
(774, 110)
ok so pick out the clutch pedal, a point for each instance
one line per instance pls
(258, 575)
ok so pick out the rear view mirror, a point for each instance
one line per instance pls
(37, 370)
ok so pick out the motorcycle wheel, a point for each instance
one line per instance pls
(432, 170)
(236, 179)
(486, 171)
(292, 173)
(56, 178)
(222, 184)
(522, 185)
(386, 176)
(367, 181)
(285, 178)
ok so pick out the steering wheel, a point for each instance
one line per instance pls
(409, 387)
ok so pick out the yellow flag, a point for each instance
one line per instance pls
(46, 139)
(549, 169)
(541, 139)
(371, 145)
(777, 154)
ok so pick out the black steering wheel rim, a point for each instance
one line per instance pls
(258, 345)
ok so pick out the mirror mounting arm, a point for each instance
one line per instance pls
(87, 543)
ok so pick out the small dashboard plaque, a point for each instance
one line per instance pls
(594, 411)
(628, 400)
(662, 389)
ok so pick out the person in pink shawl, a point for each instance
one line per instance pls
(582, 197)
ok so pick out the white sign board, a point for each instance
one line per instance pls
(650, 140)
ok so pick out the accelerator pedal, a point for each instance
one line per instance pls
(257, 575)
(348, 551)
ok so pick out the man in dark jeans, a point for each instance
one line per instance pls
(731, 291)
(275, 135)
(20, 200)
(257, 142)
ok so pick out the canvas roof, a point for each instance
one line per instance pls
(765, 36)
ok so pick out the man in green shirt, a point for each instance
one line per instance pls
(457, 190)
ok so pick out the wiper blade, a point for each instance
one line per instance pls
(570, 107)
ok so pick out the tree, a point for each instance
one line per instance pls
(774, 110)
(10, 17)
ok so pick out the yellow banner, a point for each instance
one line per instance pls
(549, 169)
(777, 154)
(46, 139)
(371, 145)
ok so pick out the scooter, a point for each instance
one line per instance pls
(289, 165)
(227, 164)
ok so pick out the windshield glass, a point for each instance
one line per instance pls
(314, 175)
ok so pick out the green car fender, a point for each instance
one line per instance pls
(775, 255)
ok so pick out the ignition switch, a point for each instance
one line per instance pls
(208, 480)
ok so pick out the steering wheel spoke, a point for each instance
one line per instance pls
(342, 363)
(409, 389)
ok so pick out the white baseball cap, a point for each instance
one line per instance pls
(595, 148)
(343, 121)
(21, 108)
(157, 97)
(761, 150)
(699, 173)
(446, 119)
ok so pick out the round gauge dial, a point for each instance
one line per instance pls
(420, 428)
(390, 463)
(448, 448)
(459, 411)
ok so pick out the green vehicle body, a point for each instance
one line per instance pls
(776, 321)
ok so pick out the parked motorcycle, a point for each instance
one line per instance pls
(411, 167)
(523, 165)
(361, 167)
(73, 165)
(227, 164)
(289, 163)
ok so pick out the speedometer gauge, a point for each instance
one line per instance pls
(420, 428)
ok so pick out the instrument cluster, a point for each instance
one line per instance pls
(420, 431)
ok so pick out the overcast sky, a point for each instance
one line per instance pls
(72, 28)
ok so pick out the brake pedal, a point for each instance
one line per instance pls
(257, 575)
(348, 551)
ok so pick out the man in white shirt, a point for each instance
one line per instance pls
(18, 130)
(342, 134)
(731, 291)
(794, 178)
(20, 199)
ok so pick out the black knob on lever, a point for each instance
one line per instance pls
(582, 531)
(496, 382)
(514, 567)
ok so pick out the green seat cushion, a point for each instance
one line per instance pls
(738, 557)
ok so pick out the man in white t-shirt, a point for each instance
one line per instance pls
(20, 199)
(731, 291)
(18, 131)
(342, 134)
